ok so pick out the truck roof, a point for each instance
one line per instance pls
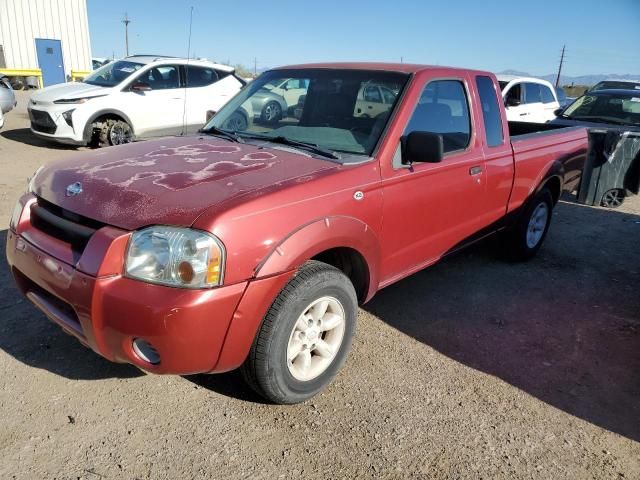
(389, 67)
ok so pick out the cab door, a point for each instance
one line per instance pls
(429, 208)
(159, 110)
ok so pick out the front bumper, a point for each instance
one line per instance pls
(193, 331)
(47, 122)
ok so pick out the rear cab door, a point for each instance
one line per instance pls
(431, 207)
(516, 107)
(207, 90)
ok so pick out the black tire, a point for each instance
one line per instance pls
(613, 198)
(516, 241)
(271, 113)
(111, 132)
(237, 122)
(266, 369)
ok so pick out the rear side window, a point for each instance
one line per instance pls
(532, 93)
(443, 108)
(200, 76)
(547, 96)
(490, 111)
(161, 78)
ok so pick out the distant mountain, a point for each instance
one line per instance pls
(579, 80)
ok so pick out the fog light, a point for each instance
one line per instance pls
(145, 351)
(67, 117)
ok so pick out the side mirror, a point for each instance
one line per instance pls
(512, 102)
(140, 87)
(209, 115)
(422, 147)
(558, 111)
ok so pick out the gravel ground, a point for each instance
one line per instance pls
(474, 368)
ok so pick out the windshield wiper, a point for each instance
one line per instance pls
(311, 147)
(218, 132)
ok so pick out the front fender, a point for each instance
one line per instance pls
(319, 236)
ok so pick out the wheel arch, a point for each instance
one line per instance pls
(108, 113)
(344, 242)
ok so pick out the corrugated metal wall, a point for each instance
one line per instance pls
(22, 21)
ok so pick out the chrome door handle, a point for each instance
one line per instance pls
(477, 170)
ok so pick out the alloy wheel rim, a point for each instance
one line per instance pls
(537, 225)
(272, 112)
(119, 135)
(316, 338)
(612, 198)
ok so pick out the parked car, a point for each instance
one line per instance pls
(373, 100)
(7, 96)
(616, 85)
(528, 99)
(610, 108)
(137, 97)
(98, 62)
(254, 248)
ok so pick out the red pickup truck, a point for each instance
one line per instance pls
(251, 244)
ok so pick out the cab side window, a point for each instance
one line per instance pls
(443, 108)
(514, 96)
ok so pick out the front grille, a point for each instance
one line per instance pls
(42, 122)
(62, 224)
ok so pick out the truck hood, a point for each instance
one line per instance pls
(68, 90)
(169, 181)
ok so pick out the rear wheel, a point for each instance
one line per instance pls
(612, 198)
(271, 113)
(523, 240)
(305, 336)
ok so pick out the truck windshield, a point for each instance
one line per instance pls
(606, 107)
(112, 73)
(338, 110)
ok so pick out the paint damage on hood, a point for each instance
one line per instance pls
(170, 181)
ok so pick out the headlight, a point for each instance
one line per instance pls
(76, 100)
(15, 216)
(179, 257)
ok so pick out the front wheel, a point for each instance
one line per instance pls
(612, 198)
(305, 336)
(271, 113)
(523, 240)
(112, 132)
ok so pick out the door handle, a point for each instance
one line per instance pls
(523, 114)
(477, 170)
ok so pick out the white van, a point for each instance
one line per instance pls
(528, 99)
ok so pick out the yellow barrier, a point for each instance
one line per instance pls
(78, 75)
(29, 72)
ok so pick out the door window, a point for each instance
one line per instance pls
(532, 93)
(547, 96)
(372, 94)
(200, 76)
(443, 108)
(161, 78)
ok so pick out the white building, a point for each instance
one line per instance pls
(50, 35)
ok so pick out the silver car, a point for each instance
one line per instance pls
(7, 97)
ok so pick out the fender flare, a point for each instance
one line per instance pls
(555, 171)
(86, 134)
(319, 236)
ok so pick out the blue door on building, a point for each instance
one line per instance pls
(50, 61)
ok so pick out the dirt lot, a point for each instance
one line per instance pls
(475, 368)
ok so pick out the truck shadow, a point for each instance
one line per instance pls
(564, 327)
(29, 337)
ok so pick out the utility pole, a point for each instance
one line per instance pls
(126, 22)
(560, 66)
(401, 60)
(255, 67)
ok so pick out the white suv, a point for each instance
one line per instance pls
(136, 97)
(528, 99)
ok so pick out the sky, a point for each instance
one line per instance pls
(600, 37)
